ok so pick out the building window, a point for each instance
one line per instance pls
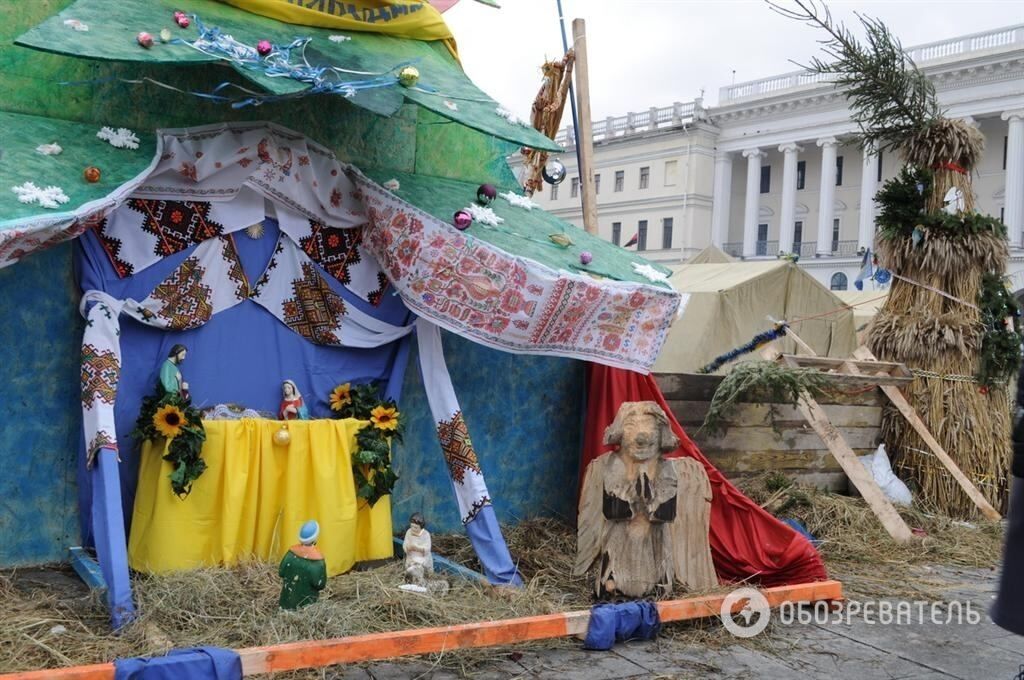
(574, 187)
(554, 192)
(666, 233)
(1006, 147)
(617, 233)
(670, 173)
(1002, 215)
(798, 235)
(839, 171)
(801, 174)
(835, 235)
(645, 177)
(620, 176)
(597, 184)
(879, 178)
(641, 235)
(761, 247)
(766, 179)
(838, 281)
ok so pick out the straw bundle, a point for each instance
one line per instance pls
(941, 335)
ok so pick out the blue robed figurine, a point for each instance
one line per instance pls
(292, 405)
(170, 372)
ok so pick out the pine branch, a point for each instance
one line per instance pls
(890, 98)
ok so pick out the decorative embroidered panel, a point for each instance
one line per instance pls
(101, 371)
(315, 311)
(476, 290)
(457, 447)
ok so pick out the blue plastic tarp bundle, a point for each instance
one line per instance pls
(611, 623)
(198, 663)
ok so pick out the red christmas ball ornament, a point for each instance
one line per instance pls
(144, 39)
(586, 258)
(486, 193)
(263, 48)
(178, 14)
(183, 21)
(462, 219)
(91, 174)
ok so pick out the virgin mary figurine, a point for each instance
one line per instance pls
(292, 406)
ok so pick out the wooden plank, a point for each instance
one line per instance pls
(777, 461)
(377, 646)
(765, 438)
(698, 387)
(857, 473)
(786, 416)
(908, 411)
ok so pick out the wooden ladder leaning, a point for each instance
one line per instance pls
(863, 370)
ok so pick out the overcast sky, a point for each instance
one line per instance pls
(647, 53)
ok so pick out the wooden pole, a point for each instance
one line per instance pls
(361, 648)
(908, 412)
(585, 131)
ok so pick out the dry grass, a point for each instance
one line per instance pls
(238, 607)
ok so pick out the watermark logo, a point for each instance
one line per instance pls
(745, 613)
(752, 617)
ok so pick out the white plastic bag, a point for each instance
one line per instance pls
(877, 464)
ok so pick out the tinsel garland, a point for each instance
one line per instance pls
(759, 340)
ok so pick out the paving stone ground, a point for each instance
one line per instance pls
(861, 649)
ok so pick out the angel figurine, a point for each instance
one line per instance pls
(292, 406)
(644, 518)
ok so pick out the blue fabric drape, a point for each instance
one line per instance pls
(242, 355)
(199, 663)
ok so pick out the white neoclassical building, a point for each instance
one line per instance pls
(773, 169)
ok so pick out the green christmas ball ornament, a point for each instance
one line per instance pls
(408, 76)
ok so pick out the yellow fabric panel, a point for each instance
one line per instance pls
(730, 303)
(372, 16)
(254, 496)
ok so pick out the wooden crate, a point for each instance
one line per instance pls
(749, 446)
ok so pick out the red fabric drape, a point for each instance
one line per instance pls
(747, 543)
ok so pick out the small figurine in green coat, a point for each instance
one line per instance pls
(303, 571)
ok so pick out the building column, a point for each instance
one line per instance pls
(750, 207)
(1013, 213)
(787, 213)
(721, 198)
(827, 194)
(868, 187)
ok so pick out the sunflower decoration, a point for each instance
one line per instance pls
(167, 415)
(169, 420)
(341, 396)
(384, 418)
(371, 461)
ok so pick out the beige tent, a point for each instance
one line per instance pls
(730, 303)
(865, 304)
(711, 255)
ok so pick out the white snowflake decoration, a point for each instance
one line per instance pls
(519, 201)
(650, 273)
(338, 38)
(392, 185)
(76, 24)
(510, 117)
(451, 105)
(122, 138)
(483, 214)
(348, 92)
(50, 197)
(49, 149)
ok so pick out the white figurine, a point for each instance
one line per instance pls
(419, 563)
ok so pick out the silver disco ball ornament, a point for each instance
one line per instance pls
(553, 172)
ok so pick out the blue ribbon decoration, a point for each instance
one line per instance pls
(758, 340)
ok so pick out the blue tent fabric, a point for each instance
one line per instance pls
(611, 623)
(198, 663)
(242, 355)
(802, 530)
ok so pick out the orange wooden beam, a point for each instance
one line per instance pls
(377, 646)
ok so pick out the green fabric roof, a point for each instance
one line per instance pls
(114, 24)
(21, 163)
(523, 233)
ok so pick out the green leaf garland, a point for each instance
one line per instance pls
(371, 461)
